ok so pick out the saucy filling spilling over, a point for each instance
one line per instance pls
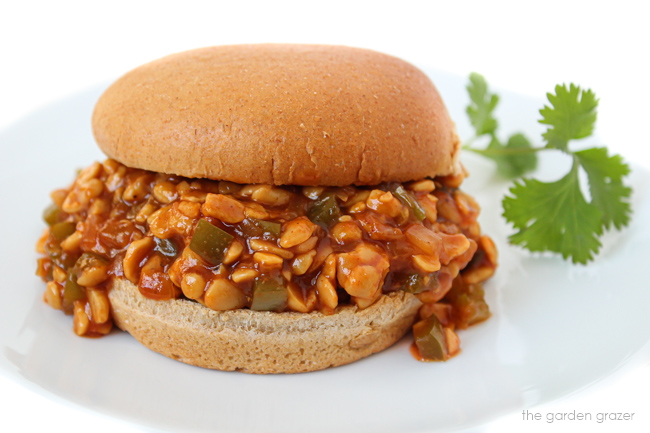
(267, 248)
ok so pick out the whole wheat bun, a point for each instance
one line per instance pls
(279, 114)
(261, 341)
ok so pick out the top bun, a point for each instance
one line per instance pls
(279, 114)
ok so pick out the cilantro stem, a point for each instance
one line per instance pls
(505, 151)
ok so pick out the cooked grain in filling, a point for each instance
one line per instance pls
(265, 247)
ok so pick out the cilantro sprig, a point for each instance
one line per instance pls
(555, 216)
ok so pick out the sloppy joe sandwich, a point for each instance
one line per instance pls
(270, 209)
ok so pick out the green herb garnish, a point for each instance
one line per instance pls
(555, 216)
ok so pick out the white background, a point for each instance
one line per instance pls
(49, 50)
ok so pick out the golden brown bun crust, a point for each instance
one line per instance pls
(261, 342)
(279, 114)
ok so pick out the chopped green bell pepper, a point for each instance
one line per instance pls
(269, 294)
(325, 211)
(60, 231)
(416, 283)
(73, 291)
(252, 228)
(166, 247)
(430, 339)
(51, 214)
(407, 199)
(210, 242)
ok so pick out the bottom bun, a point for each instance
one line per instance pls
(261, 341)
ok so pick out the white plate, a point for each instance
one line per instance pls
(556, 328)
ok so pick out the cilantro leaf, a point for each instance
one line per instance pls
(571, 117)
(605, 174)
(513, 165)
(481, 106)
(555, 217)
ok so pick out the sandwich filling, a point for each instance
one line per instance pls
(267, 248)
